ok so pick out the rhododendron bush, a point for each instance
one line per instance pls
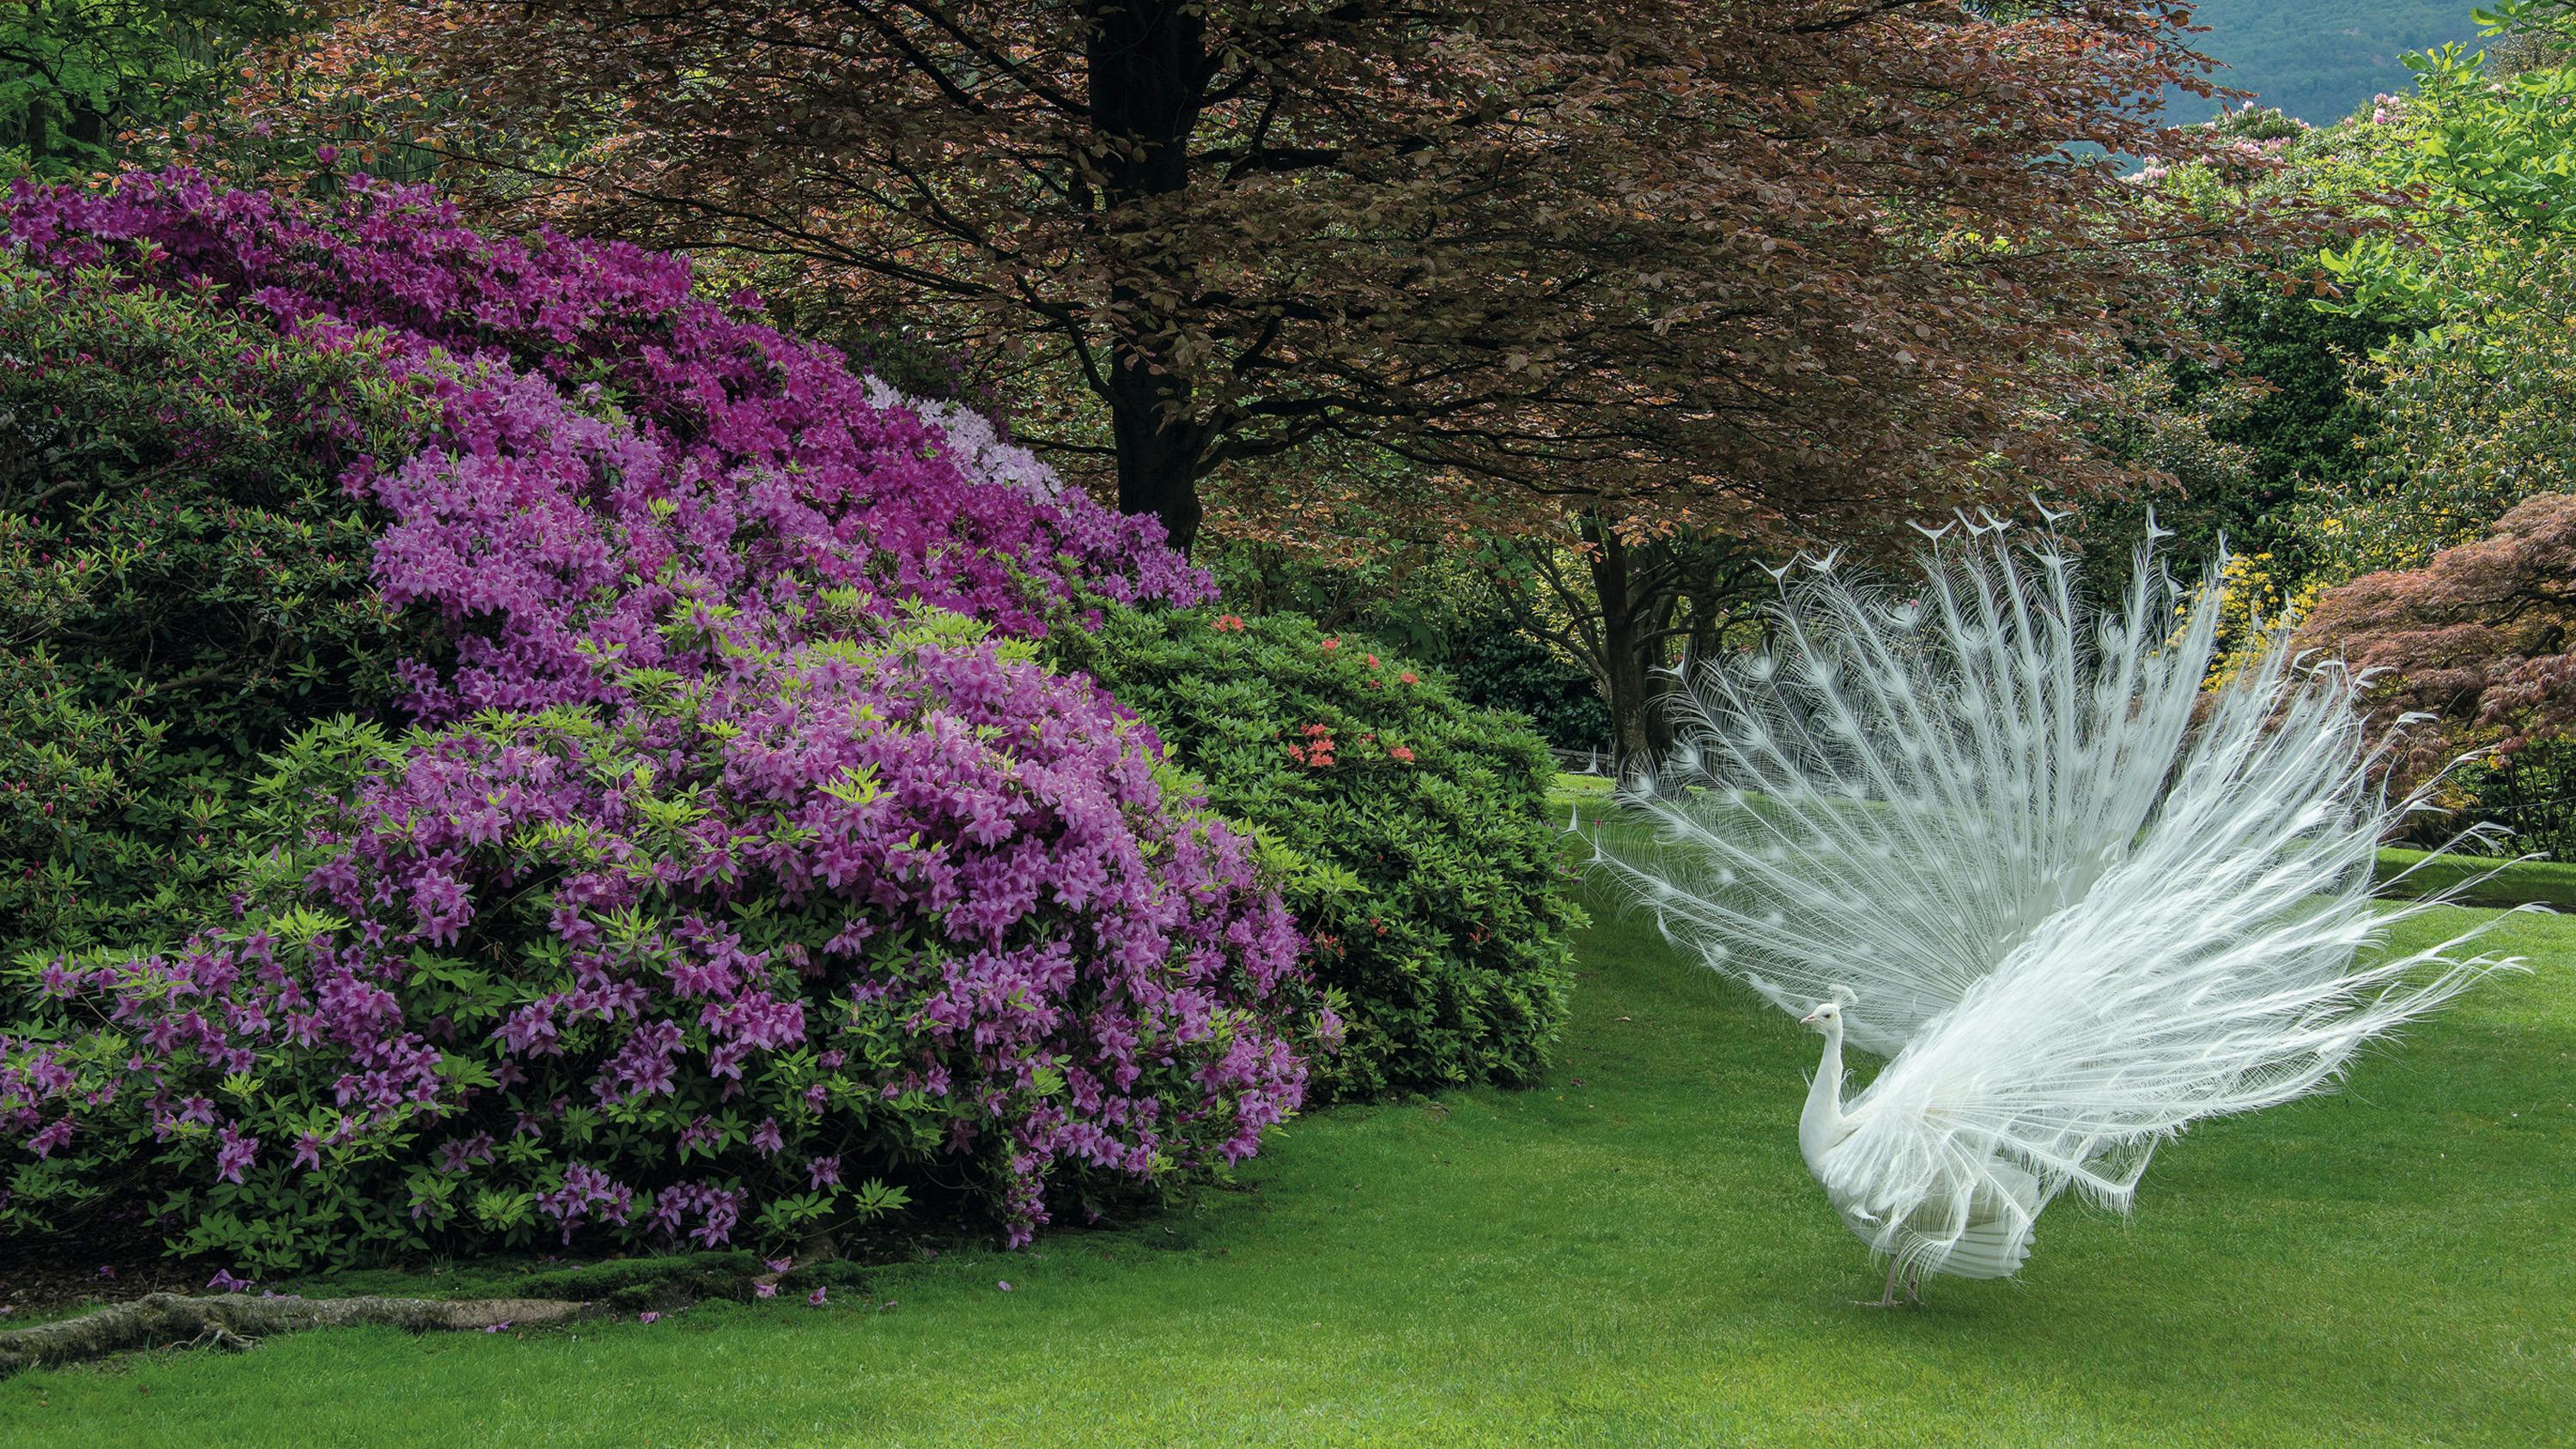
(741, 873)
(183, 583)
(753, 955)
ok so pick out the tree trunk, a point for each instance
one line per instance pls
(237, 1322)
(1149, 71)
(1626, 672)
(84, 126)
(1158, 457)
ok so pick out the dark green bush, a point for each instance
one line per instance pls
(1420, 852)
(182, 583)
(1499, 666)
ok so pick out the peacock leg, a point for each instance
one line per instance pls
(1887, 1296)
(1914, 1280)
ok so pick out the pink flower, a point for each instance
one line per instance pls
(758, 472)
(764, 1290)
(815, 1298)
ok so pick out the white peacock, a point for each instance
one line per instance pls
(2007, 843)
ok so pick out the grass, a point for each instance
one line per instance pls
(1629, 1254)
(2550, 882)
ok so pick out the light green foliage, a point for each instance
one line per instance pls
(1415, 842)
(76, 74)
(1631, 1254)
(2476, 172)
(2486, 162)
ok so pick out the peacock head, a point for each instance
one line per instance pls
(1828, 1015)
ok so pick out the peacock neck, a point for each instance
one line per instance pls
(1821, 1125)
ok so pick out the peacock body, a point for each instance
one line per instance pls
(2005, 842)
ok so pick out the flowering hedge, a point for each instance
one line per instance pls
(755, 955)
(600, 422)
(220, 405)
(1422, 856)
(735, 861)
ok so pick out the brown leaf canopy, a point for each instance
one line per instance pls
(1774, 266)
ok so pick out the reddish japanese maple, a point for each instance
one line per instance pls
(2483, 637)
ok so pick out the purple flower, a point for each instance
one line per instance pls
(50, 1137)
(224, 1280)
(764, 1290)
(999, 883)
(815, 1298)
(648, 1316)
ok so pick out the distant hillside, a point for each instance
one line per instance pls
(2318, 59)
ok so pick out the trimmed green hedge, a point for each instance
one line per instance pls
(1417, 845)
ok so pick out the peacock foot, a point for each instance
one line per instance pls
(1887, 1297)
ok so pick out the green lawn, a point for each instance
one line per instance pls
(1630, 1254)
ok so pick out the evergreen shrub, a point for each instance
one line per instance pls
(1423, 858)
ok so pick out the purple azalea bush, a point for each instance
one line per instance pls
(741, 874)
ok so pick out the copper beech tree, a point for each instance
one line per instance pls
(1783, 270)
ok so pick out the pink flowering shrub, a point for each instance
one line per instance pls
(591, 376)
(743, 873)
(756, 955)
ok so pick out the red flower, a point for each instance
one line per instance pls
(1332, 644)
(1401, 753)
(1410, 677)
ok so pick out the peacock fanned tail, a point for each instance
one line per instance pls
(2079, 901)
